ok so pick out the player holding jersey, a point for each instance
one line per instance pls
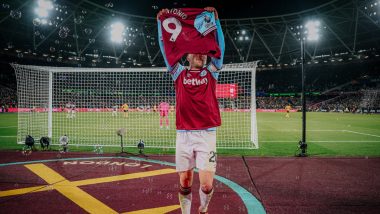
(163, 109)
(197, 116)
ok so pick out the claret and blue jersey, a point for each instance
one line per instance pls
(196, 104)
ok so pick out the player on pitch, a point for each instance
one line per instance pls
(163, 109)
(125, 108)
(287, 109)
(197, 116)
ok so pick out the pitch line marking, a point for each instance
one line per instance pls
(312, 130)
(321, 141)
(6, 127)
(372, 135)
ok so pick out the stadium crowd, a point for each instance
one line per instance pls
(345, 103)
(276, 102)
(8, 98)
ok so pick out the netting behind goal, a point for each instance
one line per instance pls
(88, 105)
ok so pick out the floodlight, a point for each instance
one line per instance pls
(312, 30)
(117, 32)
(43, 8)
(41, 12)
(46, 4)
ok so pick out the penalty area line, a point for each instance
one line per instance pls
(7, 127)
(372, 135)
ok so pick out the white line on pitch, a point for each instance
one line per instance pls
(345, 141)
(8, 136)
(320, 141)
(361, 133)
(296, 130)
(5, 127)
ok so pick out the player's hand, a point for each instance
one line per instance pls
(212, 9)
(162, 11)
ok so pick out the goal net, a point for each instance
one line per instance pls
(90, 105)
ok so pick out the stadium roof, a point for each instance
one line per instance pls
(227, 9)
(77, 33)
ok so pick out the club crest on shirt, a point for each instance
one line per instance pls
(207, 19)
(208, 22)
(203, 73)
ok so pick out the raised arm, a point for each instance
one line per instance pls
(218, 63)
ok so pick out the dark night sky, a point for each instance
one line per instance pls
(226, 9)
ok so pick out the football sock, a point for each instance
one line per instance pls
(185, 197)
(205, 198)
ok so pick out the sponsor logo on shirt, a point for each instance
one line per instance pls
(195, 81)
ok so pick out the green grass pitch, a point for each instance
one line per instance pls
(328, 134)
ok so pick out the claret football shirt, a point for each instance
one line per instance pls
(188, 30)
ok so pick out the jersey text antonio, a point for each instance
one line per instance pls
(188, 30)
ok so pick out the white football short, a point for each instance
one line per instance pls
(196, 149)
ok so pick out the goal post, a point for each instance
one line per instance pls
(90, 105)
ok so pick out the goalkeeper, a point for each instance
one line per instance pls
(197, 116)
(163, 108)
